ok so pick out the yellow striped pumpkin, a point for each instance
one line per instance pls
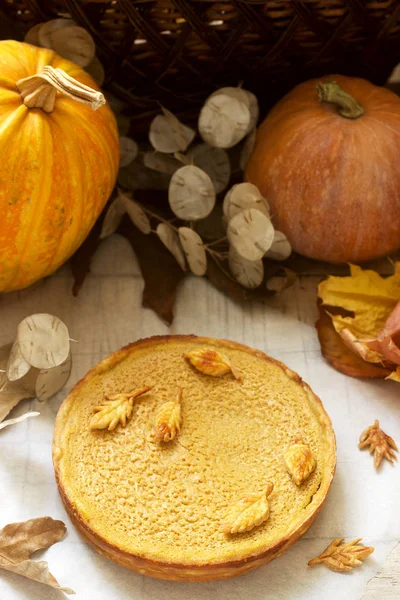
(58, 161)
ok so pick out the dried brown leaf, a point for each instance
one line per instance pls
(12, 392)
(19, 540)
(160, 271)
(81, 260)
(340, 356)
(218, 275)
(341, 557)
(26, 415)
(380, 444)
(282, 281)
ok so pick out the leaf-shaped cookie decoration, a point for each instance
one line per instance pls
(341, 557)
(380, 444)
(19, 540)
(168, 420)
(248, 512)
(117, 409)
(211, 362)
(300, 462)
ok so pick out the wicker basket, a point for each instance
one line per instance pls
(175, 52)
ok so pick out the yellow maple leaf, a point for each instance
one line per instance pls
(395, 376)
(372, 299)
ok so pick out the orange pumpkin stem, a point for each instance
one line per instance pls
(347, 106)
(40, 91)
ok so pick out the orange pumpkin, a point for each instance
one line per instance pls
(327, 159)
(58, 161)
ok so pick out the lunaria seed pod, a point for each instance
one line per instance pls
(249, 273)
(224, 121)
(215, 162)
(170, 239)
(241, 196)
(191, 193)
(194, 250)
(167, 134)
(251, 233)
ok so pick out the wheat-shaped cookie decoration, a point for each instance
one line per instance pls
(168, 420)
(380, 444)
(341, 557)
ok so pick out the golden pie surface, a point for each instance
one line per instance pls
(157, 507)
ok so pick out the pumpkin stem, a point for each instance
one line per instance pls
(347, 106)
(40, 91)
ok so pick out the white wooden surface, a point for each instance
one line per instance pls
(108, 315)
(386, 583)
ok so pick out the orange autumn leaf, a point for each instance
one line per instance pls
(373, 312)
(340, 356)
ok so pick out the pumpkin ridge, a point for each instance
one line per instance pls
(14, 119)
(7, 83)
(44, 59)
(93, 142)
(71, 205)
(38, 200)
(75, 208)
(14, 53)
(92, 132)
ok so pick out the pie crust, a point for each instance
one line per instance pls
(157, 507)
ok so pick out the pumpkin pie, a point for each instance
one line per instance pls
(234, 481)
